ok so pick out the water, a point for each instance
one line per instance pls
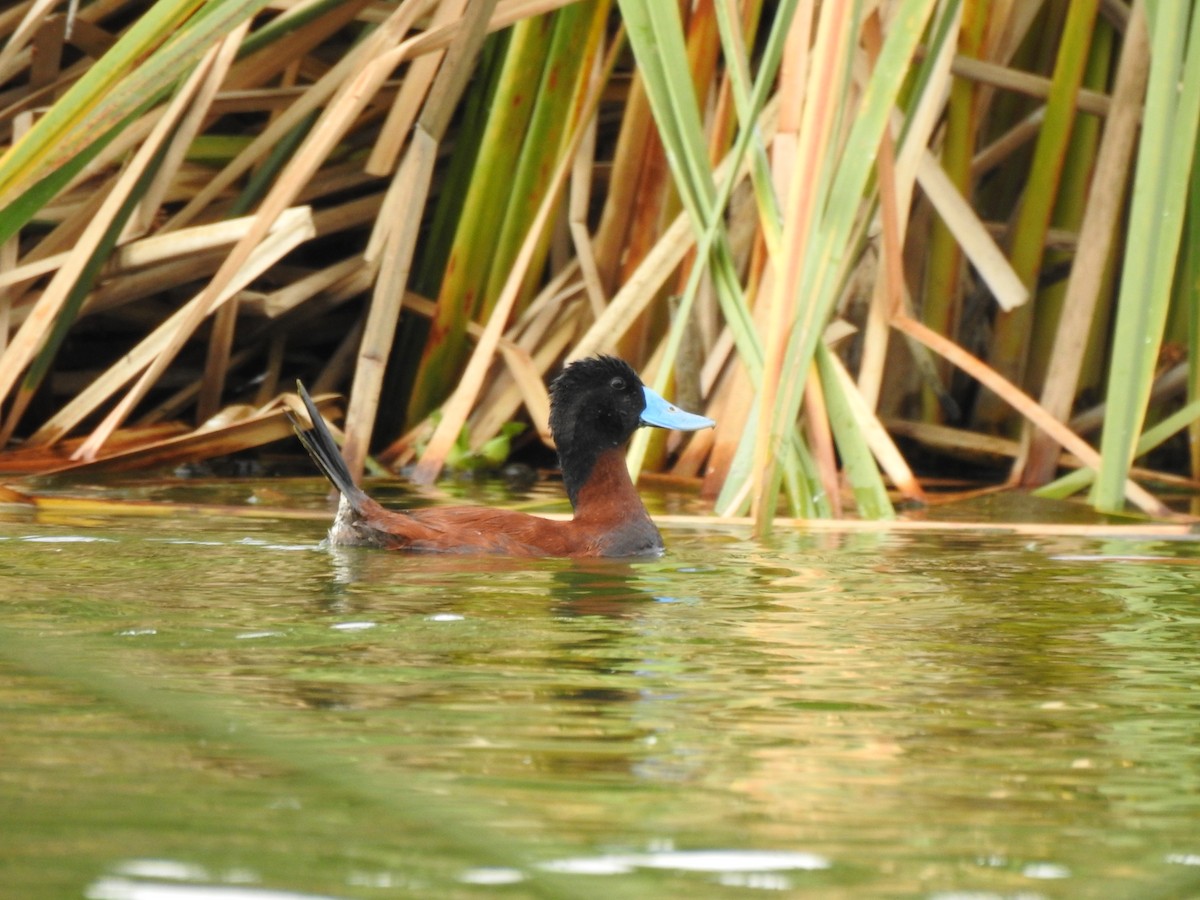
(204, 706)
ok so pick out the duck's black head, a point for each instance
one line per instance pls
(596, 405)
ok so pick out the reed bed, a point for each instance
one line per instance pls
(876, 241)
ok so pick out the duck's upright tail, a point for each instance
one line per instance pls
(325, 453)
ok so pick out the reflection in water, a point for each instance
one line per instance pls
(879, 714)
(613, 589)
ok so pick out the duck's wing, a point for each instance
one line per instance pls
(476, 529)
(466, 529)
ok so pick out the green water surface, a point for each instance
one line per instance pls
(199, 706)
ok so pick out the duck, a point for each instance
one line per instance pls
(596, 404)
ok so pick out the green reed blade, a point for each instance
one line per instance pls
(281, 26)
(556, 96)
(830, 240)
(749, 100)
(1190, 297)
(1161, 188)
(1012, 329)
(66, 316)
(487, 197)
(25, 207)
(943, 268)
(1073, 482)
(656, 37)
(870, 493)
(438, 240)
(141, 67)
(797, 463)
(1070, 204)
(750, 97)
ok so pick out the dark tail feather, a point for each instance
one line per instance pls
(324, 451)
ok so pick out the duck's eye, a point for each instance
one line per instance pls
(617, 384)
